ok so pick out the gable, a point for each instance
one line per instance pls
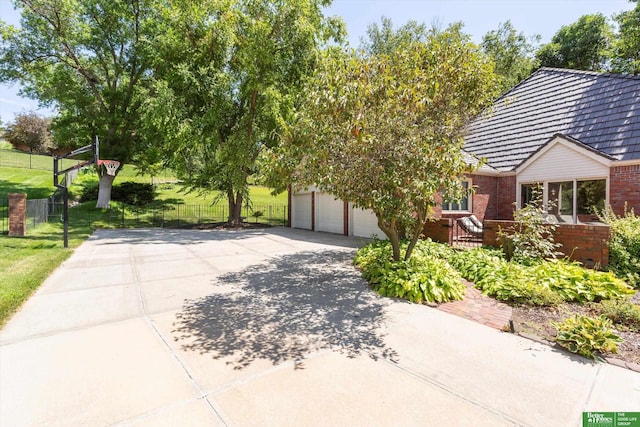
(562, 159)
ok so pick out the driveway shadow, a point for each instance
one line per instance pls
(286, 309)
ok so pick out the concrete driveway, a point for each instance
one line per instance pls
(274, 327)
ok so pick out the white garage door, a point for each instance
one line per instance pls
(365, 224)
(301, 211)
(329, 214)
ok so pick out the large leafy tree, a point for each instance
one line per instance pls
(385, 132)
(626, 47)
(32, 131)
(90, 59)
(583, 45)
(385, 39)
(512, 52)
(236, 67)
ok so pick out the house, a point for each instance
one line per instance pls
(575, 134)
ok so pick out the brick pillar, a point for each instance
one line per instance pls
(17, 214)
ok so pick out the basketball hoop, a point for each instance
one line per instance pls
(110, 165)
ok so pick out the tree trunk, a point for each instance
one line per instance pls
(421, 220)
(235, 208)
(417, 232)
(104, 191)
(394, 238)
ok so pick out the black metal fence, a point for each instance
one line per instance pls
(168, 215)
(24, 160)
(4, 216)
(41, 211)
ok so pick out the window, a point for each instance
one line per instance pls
(591, 197)
(462, 205)
(560, 201)
(528, 193)
(569, 201)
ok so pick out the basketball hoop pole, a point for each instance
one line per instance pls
(94, 147)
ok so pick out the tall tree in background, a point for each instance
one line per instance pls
(626, 47)
(32, 131)
(583, 45)
(385, 132)
(384, 39)
(512, 53)
(236, 67)
(90, 59)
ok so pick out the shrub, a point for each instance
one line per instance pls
(475, 264)
(85, 187)
(426, 276)
(531, 239)
(542, 283)
(622, 313)
(624, 245)
(514, 282)
(257, 214)
(133, 193)
(587, 336)
(130, 193)
(578, 284)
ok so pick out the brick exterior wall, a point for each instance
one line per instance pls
(17, 214)
(493, 198)
(439, 230)
(624, 186)
(506, 197)
(484, 203)
(584, 243)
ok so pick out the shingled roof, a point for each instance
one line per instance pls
(602, 111)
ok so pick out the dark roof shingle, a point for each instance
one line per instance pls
(600, 110)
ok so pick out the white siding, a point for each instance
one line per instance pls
(560, 163)
(364, 223)
(329, 214)
(301, 211)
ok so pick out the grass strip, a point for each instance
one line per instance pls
(25, 262)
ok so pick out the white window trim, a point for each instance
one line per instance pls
(545, 191)
(469, 200)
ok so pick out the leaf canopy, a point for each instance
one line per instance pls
(386, 132)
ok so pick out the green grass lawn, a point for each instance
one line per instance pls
(169, 190)
(38, 184)
(25, 262)
(174, 191)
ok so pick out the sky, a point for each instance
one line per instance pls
(531, 17)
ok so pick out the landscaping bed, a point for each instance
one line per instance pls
(537, 321)
(591, 313)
